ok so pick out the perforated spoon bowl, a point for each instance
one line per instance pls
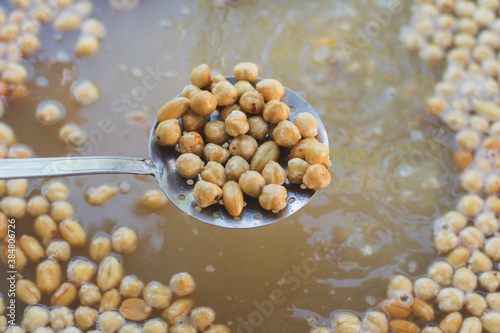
(161, 165)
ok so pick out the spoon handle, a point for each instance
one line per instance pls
(70, 166)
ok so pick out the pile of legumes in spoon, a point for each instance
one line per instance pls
(238, 154)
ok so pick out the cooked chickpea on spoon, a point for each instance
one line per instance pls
(236, 152)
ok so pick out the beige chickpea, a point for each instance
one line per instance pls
(58, 249)
(48, 276)
(45, 227)
(286, 134)
(459, 256)
(216, 153)
(35, 316)
(247, 71)
(202, 317)
(492, 248)
(252, 101)
(60, 317)
(189, 165)
(6, 134)
(316, 177)
(467, 139)
(177, 311)
(110, 272)
(214, 172)
(110, 321)
(235, 167)
(206, 193)
(451, 322)
(273, 173)
(32, 248)
(445, 241)
(475, 304)
(493, 300)
(271, 89)
(217, 329)
(258, 127)
(275, 111)
(86, 46)
(465, 40)
(154, 199)
(56, 191)
(110, 300)
(189, 91)
(431, 53)
(493, 204)
(14, 73)
(273, 197)
(200, 76)
(173, 109)
(61, 210)
(243, 86)
(131, 286)
(236, 123)
(124, 240)
(215, 132)
(399, 284)
(100, 247)
(168, 132)
(191, 142)
(4, 222)
(183, 328)
(17, 187)
(471, 237)
(480, 262)
(489, 280)
(296, 170)
(450, 299)
(203, 103)
(98, 196)
(72, 232)
(307, 124)
(441, 272)
(13, 206)
(464, 279)
(37, 206)
(435, 105)
(27, 292)
(182, 284)
(156, 325)
(157, 295)
(317, 153)
(81, 270)
(252, 183)
(486, 223)
(491, 321)
(375, 321)
(217, 79)
(244, 146)
(94, 27)
(426, 289)
(492, 184)
(86, 317)
(65, 295)
(471, 180)
(299, 150)
(193, 122)
(228, 110)
(225, 93)
(470, 205)
(73, 135)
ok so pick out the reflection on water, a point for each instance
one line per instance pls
(392, 168)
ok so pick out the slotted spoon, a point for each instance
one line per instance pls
(179, 190)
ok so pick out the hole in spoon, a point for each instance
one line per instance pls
(216, 215)
(257, 216)
(237, 218)
(198, 209)
(190, 182)
(292, 109)
(291, 200)
(182, 197)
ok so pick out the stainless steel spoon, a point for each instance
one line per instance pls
(179, 190)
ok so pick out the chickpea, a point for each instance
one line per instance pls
(189, 165)
(157, 295)
(189, 91)
(56, 191)
(441, 272)
(486, 223)
(45, 227)
(32, 248)
(244, 146)
(479, 262)
(275, 111)
(37, 206)
(493, 300)
(296, 170)
(216, 153)
(60, 317)
(247, 71)
(203, 103)
(475, 304)
(471, 237)
(464, 279)
(173, 109)
(228, 110)
(131, 286)
(490, 280)
(316, 177)
(182, 284)
(215, 132)
(110, 321)
(426, 289)
(470, 205)
(100, 247)
(243, 86)
(100, 195)
(451, 322)
(268, 151)
(206, 193)
(491, 321)
(214, 173)
(94, 27)
(26, 291)
(273, 197)
(87, 46)
(13, 206)
(271, 89)
(124, 240)
(168, 132)
(154, 199)
(236, 123)
(110, 300)
(58, 249)
(85, 92)
(252, 101)
(399, 284)
(374, 321)
(155, 325)
(435, 105)
(225, 93)
(202, 317)
(110, 272)
(217, 79)
(273, 173)
(450, 299)
(492, 248)
(317, 153)
(258, 128)
(471, 180)
(200, 76)
(492, 184)
(6, 134)
(35, 316)
(191, 142)
(85, 317)
(178, 311)
(81, 270)
(235, 167)
(14, 73)
(252, 183)
(286, 134)
(445, 241)
(72, 232)
(193, 122)
(459, 256)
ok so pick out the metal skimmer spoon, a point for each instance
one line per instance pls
(179, 190)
